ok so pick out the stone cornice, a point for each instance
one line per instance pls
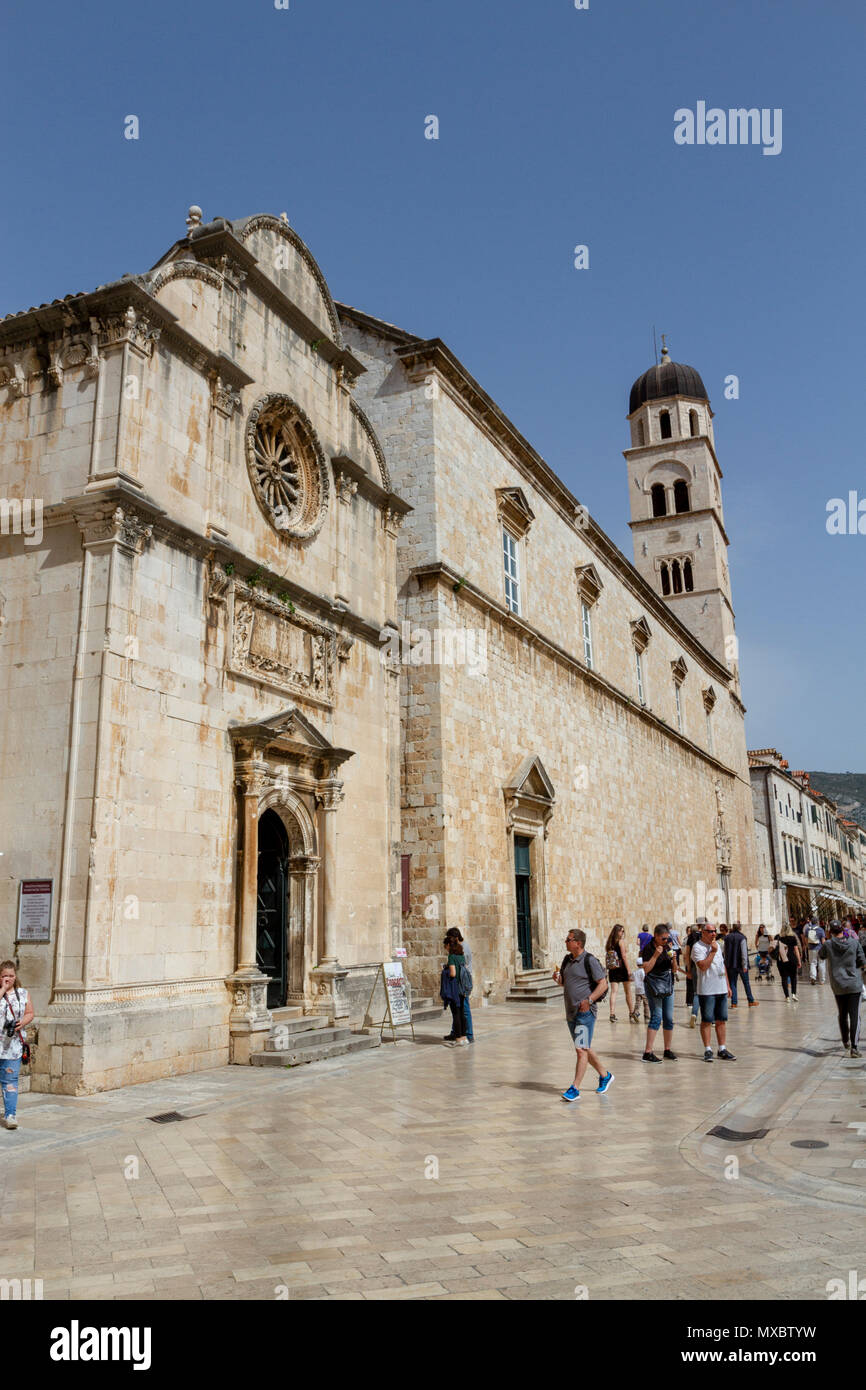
(75, 314)
(643, 521)
(441, 573)
(98, 507)
(663, 446)
(368, 487)
(432, 353)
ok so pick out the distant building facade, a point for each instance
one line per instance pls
(815, 856)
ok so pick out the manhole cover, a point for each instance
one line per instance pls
(737, 1136)
(809, 1144)
(167, 1118)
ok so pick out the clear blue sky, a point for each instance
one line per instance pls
(556, 128)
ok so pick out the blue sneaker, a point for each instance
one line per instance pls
(571, 1094)
(605, 1084)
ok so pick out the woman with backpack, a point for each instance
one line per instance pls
(16, 1011)
(454, 934)
(618, 973)
(453, 990)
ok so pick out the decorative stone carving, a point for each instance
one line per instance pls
(133, 328)
(344, 648)
(346, 488)
(392, 521)
(126, 529)
(287, 467)
(226, 399)
(329, 795)
(290, 652)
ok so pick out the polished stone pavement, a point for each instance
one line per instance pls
(418, 1171)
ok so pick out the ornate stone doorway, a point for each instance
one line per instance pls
(287, 930)
(529, 805)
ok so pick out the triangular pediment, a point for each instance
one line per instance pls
(640, 633)
(290, 732)
(514, 510)
(588, 583)
(679, 670)
(530, 779)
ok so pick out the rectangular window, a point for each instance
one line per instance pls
(679, 703)
(800, 861)
(512, 572)
(586, 621)
(710, 732)
(405, 861)
(638, 665)
(785, 848)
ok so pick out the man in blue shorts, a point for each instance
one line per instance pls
(583, 981)
(713, 991)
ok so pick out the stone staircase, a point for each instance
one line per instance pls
(534, 987)
(425, 1006)
(307, 1038)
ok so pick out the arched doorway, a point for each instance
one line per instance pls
(272, 907)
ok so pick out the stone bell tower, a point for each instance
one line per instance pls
(677, 521)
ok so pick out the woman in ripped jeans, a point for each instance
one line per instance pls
(16, 1011)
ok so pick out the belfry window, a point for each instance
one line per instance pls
(666, 578)
(641, 432)
(681, 496)
(665, 424)
(659, 500)
(676, 576)
(688, 581)
(694, 425)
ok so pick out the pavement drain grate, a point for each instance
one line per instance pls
(167, 1118)
(737, 1136)
(809, 1144)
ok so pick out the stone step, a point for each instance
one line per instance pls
(297, 1022)
(316, 1052)
(529, 977)
(310, 1037)
(426, 1007)
(543, 991)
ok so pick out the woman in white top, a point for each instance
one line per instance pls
(16, 1011)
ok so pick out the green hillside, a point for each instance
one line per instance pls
(847, 789)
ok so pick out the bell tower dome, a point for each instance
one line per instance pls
(677, 522)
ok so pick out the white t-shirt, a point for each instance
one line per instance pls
(12, 1005)
(713, 980)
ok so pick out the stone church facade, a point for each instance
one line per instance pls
(316, 656)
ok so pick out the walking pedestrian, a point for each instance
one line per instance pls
(692, 1000)
(815, 937)
(16, 1011)
(583, 985)
(660, 969)
(763, 947)
(786, 954)
(847, 963)
(454, 934)
(736, 950)
(713, 989)
(618, 972)
(861, 937)
(453, 991)
(640, 992)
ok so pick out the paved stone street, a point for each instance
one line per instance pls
(314, 1183)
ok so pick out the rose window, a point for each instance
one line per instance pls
(287, 467)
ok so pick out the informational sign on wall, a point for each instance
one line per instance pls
(398, 999)
(34, 909)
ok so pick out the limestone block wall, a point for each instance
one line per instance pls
(39, 599)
